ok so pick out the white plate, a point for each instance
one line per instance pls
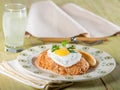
(105, 66)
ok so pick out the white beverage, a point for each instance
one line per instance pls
(14, 23)
(14, 28)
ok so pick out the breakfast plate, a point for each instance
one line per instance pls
(106, 64)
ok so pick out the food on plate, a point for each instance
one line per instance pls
(65, 60)
(91, 60)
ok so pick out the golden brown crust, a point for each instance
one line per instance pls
(90, 59)
(44, 61)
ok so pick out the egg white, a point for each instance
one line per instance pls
(65, 61)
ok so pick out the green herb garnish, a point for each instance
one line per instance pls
(55, 47)
(71, 49)
(64, 43)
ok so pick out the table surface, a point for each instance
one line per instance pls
(108, 9)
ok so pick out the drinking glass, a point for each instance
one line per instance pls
(14, 24)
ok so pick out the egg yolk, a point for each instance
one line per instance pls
(62, 52)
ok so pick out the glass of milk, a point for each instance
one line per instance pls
(14, 24)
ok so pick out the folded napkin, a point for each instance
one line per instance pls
(13, 70)
(94, 24)
(46, 19)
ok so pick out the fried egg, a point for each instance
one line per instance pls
(63, 57)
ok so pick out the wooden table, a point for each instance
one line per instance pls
(108, 9)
